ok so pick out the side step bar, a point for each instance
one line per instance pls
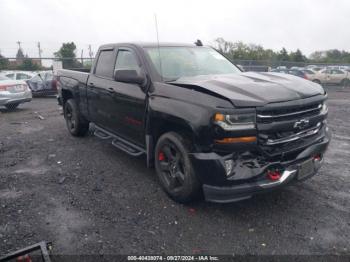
(117, 141)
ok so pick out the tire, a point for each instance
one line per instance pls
(345, 82)
(12, 106)
(76, 124)
(174, 168)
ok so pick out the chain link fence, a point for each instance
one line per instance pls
(38, 73)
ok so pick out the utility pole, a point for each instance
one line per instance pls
(40, 51)
(81, 57)
(90, 53)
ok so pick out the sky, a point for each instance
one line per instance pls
(305, 24)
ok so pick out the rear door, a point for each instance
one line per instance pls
(324, 76)
(99, 88)
(337, 76)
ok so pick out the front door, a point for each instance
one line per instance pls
(130, 99)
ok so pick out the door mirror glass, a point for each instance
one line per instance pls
(128, 76)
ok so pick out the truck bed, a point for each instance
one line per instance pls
(82, 77)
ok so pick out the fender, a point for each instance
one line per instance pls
(165, 114)
(71, 86)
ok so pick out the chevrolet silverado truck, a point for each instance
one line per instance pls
(208, 128)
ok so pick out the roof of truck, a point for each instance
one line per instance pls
(147, 44)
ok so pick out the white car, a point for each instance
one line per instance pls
(18, 75)
(332, 76)
(13, 92)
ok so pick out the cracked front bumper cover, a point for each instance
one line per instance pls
(217, 187)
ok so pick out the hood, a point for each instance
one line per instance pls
(254, 89)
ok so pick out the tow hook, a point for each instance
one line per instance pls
(273, 175)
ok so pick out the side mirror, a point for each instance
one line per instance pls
(40, 77)
(129, 76)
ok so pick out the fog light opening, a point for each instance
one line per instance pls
(228, 166)
(273, 175)
(317, 157)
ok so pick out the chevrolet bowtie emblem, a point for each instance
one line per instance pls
(301, 124)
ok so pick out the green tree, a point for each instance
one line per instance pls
(28, 65)
(317, 56)
(297, 56)
(283, 55)
(4, 62)
(66, 54)
(330, 56)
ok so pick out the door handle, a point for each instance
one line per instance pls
(110, 90)
(91, 84)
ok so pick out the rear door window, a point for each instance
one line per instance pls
(21, 76)
(105, 64)
(11, 76)
(337, 72)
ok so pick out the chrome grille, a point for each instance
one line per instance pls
(278, 130)
(294, 137)
(288, 114)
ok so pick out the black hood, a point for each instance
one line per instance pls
(254, 89)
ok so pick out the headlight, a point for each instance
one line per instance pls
(237, 121)
(324, 109)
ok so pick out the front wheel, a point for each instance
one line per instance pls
(174, 168)
(76, 125)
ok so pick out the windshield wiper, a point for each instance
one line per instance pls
(171, 80)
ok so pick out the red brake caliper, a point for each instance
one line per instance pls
(161, 156)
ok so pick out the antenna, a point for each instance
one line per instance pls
(160, 59)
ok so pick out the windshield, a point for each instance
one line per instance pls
(178, 62)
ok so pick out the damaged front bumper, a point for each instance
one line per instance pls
(249, 172)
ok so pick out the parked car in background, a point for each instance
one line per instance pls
(18, 75)
(314, 68)
(298, 73)
(43, 83)
(332, 76)
(13, 92)
(297, 68)
(294, 72)
(310, 74)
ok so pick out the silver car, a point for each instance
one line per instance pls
(13, 92)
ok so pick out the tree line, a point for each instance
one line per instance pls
(232, 50)
(243, 51)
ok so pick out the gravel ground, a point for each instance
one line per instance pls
(89, 198)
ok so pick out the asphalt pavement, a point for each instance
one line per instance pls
(86, 197)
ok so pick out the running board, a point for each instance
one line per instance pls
(117, 141)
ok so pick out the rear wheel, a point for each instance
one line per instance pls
(76, 125)
(345, 82)
(174, 168)
(12, 106)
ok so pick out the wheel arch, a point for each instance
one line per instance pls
(158, 125)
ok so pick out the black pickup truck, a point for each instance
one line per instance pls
(207, 128)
